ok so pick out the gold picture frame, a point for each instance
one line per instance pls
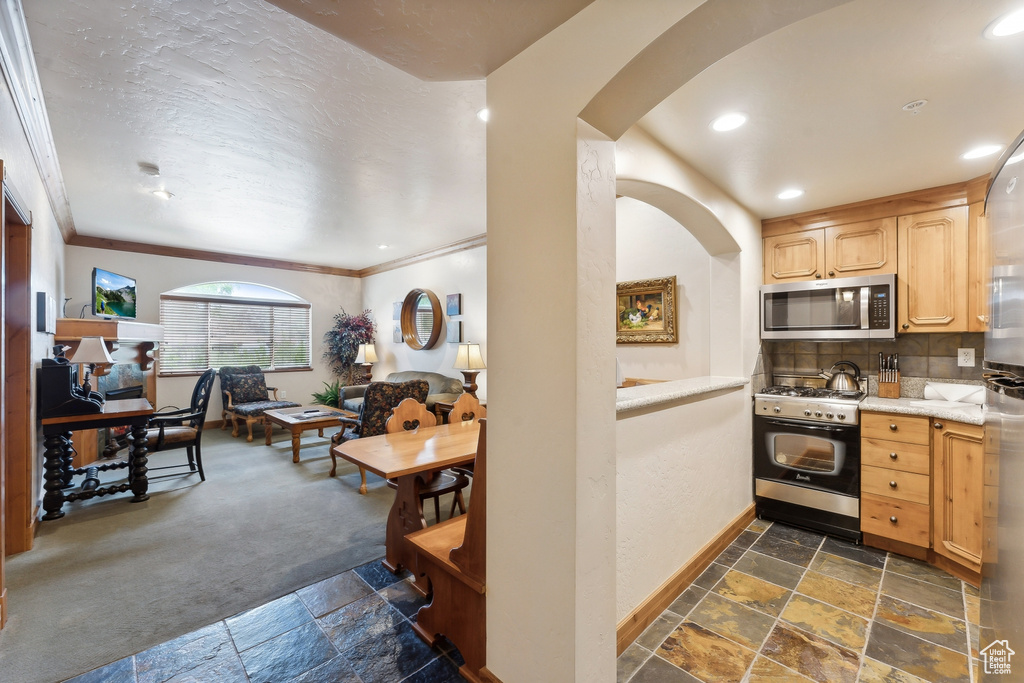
(646, 311)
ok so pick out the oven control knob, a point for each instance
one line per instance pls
(841, 416)
(817, 413)
(777, 409)
(807, 412)
(829, 415)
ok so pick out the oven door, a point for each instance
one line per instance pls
(825, 457)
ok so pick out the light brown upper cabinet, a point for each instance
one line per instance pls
(979, 269)
(851, 250)
(932, 277)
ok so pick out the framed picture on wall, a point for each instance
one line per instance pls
(396, 310)
(453, 304)
(454, 332)
(646, 311)
(396, 336)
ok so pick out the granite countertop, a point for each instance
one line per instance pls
(944, 410)
(647, 395)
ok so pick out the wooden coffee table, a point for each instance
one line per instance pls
(301, 419)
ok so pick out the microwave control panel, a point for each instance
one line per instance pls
(879, 307)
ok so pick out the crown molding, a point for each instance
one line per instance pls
(19, 69)
(453, 248)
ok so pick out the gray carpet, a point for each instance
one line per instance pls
(112, 578)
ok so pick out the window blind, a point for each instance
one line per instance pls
(206, 332)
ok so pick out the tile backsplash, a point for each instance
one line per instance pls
(921, 355)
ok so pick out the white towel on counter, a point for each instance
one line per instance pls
(959, 393)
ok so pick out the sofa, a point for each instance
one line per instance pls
(442, 388)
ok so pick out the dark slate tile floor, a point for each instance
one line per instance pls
(355, 627)
(786, 604)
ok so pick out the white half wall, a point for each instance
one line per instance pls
(649, 243)
(463, 272)
(327, 294)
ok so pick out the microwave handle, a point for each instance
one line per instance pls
(865, 300)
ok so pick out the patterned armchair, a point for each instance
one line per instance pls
(379, 401)
(247, 396)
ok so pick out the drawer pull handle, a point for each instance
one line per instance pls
(938, 425)
(892, 484)
(893, 427)
(893, 519)
(893, 456)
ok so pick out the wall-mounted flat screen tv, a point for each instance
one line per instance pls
(113, 294)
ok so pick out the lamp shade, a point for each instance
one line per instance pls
(469, 358)
(92, 351)
(366, 355)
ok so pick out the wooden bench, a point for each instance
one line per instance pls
(452, 555)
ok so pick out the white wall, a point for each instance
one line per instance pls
(649, 243)
(464, 272)
(328, 294)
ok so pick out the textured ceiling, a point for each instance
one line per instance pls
(281, 140)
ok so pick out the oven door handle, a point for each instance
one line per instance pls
(816, 428)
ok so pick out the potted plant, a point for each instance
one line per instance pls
(343, 340)
(330, 396)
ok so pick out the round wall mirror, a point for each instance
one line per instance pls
(421, 319)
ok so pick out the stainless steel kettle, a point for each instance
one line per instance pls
(842, 380)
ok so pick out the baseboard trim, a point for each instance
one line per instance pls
(487, 677)
(630, 628)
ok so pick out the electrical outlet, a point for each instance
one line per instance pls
(284, 394)
(965, 358)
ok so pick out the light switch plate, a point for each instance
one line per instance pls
(965, 358)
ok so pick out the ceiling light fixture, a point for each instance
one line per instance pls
(1006, 25)
(981, 151)
(790, 194)
(484, 114)
(915, 106)
(382, 246)
(149, 168)
(163, 194)
(730, 121)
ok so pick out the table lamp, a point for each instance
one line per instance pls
(470, 363)
(91, 351)
(366, 356)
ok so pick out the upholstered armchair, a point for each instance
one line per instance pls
(247, 396)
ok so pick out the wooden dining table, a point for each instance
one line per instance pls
(411, 459)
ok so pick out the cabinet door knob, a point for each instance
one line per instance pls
(906, 326)
(938, 425)
(892, 484)
(893, 519)
(893, 427)
(817, 276)
(893, 456)
(831, 273)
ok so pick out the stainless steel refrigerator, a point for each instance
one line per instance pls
(1002, 604)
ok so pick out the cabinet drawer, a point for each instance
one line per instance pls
(904, 428)
(881, 481)
(897, 455)
(912, 520)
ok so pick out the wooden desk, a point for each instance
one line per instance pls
(410, 458)
(298, 420)
(57, 431)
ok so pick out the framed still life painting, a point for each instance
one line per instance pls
(646, 311)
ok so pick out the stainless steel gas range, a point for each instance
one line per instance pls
(807, 458)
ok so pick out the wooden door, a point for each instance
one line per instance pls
(864, 248)
(3, 402)
(932, 273)
(19, 434)
(958, 454)
(791, 258)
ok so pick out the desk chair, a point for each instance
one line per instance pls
(183, 428)
(409, 415)
(378, 402)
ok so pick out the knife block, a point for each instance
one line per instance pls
(889, 389)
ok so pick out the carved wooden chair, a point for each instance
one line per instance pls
(183, 428)
(247, 396)
(410, 415)
(466, 409)
(378, 402)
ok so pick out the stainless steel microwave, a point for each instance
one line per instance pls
(820, 310)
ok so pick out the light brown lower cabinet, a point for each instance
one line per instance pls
(923, 490)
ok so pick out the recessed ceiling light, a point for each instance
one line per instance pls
(1006, 25)
(163, 194)
(484, 114)
(790, 194)
(981, 151)
(915, 106)
(730, 121)
(1015, 158)
(382, 246)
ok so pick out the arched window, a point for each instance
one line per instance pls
(213, 324)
